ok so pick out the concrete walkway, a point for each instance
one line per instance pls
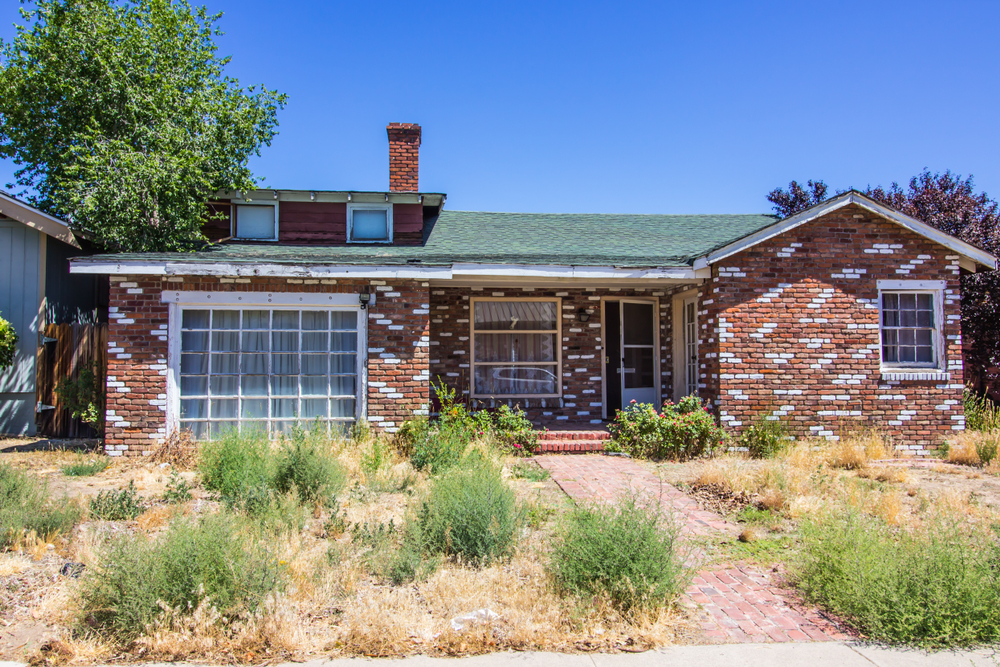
(738, 603)
(831, 654)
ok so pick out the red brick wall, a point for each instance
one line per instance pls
(790, 328)
(582, 347)
(404, 157)
(398, 343)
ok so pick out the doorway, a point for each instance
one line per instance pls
(630, 355)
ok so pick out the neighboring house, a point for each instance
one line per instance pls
(345, 306)
(36, 290)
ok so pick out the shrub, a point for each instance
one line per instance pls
(25, 506)
(307, 465)
(122, 505)
(510, 428)
(764, 438)
(981, 414)
(682, 431)
(436, 447)
(240, 467)
(8, 344)
(470, 513)
(934, 587)
(218, 559)
(86, 467)
(625, 552)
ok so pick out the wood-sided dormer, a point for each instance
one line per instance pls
(333, 218)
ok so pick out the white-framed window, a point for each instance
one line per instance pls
(255, 221)
(516, 348)
(369, 223)
(910, 317)
(267, 364)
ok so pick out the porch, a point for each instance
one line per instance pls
(570, 357)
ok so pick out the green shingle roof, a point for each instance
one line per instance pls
(512, 238)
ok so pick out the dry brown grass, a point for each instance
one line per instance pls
(179, 450)
(964, 447)
(811, 476)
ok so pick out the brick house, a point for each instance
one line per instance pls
(344, 305)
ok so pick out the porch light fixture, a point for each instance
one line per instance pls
(582, 315)
(364, 298)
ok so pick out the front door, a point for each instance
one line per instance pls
(630, 353)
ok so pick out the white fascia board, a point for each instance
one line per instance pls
(32, 217)
(916, 226)
(405, 272)
(578, 272)
(198, 298)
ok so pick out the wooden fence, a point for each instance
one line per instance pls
(76, 346)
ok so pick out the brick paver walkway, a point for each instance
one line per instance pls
(739, 603)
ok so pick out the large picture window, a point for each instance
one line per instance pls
(909, 330)
(516, 348)
(266, 368)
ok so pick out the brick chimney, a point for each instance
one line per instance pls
(404, 157)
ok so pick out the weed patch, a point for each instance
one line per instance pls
(123, 505)
(310, 468)
(239, 467)
(137, 580)
(470, 513)
(625, 552)
(935, 586)
(529, 471)
(86, 467)
(25, 507)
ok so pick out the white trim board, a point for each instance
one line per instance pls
(416, 272)
(254, 299)
(916, 226)
(138, 267)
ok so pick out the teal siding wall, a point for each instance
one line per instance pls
(20, 257)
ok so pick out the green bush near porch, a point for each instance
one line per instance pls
(684, 430)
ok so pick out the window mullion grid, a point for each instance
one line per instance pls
(270, 366)
(208, 372)
(298, 384)
(239, 371)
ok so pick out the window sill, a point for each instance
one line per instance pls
(931, 374)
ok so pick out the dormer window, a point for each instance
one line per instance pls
(256, 222)
(369, 223)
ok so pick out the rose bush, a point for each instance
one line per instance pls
(684, 430)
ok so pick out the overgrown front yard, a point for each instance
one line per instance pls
(902, 551)
(442, 543)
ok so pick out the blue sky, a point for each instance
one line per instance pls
(669, 107)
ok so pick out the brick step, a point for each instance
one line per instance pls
(548, 446)
(544, 436)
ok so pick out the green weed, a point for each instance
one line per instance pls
(625, 552)
(218, 559)
(122, 505)
(936, 586)
(25, 506)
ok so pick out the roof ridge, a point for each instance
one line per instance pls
(646, 215)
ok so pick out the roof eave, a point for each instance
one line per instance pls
(32, 217)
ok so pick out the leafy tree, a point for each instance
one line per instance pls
(122, 121)
(951, 204)
(796, 198)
